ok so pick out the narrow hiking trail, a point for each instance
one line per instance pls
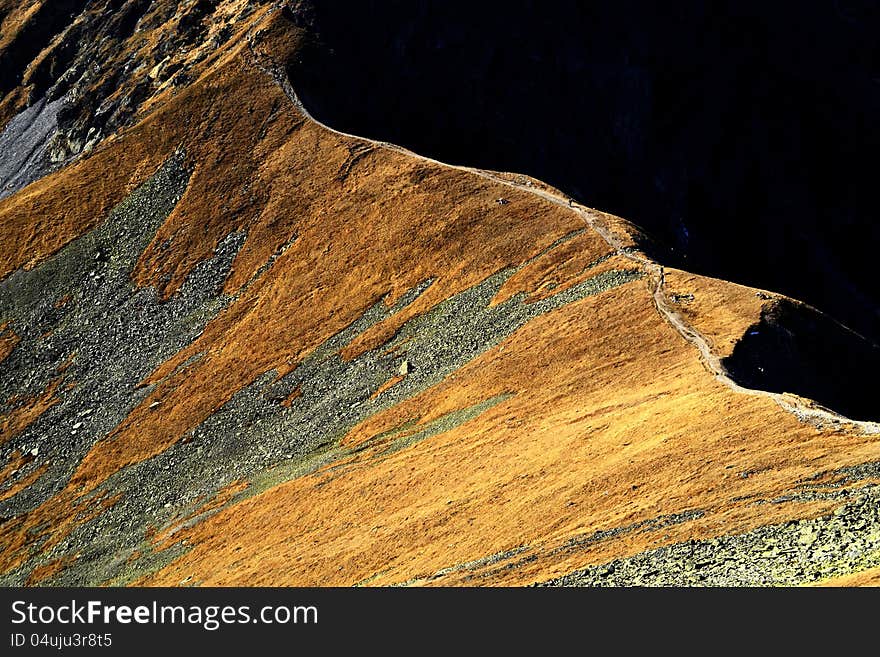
(804, 409)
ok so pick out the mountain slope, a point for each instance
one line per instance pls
(242, 348)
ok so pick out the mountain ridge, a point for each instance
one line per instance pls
(226, 383)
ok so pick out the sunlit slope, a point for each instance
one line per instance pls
(239, 348)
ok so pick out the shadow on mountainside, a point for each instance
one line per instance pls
(733, 133)
(730, 134)
(795, 349)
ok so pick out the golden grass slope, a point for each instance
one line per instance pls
(609, 416)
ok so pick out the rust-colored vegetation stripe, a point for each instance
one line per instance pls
(15, 462)
(27, 411)
(162, 538)
(390, 383)
(47, 571)
(39, 531)
(25, 482)
(8, 340)
(870, 577)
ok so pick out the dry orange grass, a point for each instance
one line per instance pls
(611, 418)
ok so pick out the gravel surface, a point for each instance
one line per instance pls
(25, 144)
(81, 319)
(796, 552)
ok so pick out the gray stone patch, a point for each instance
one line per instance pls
(26, 146)
(503, 560)
(79, 312)
(844, 541)
(848, 475)
(476, 564)
(254, 437)
(79, 309)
